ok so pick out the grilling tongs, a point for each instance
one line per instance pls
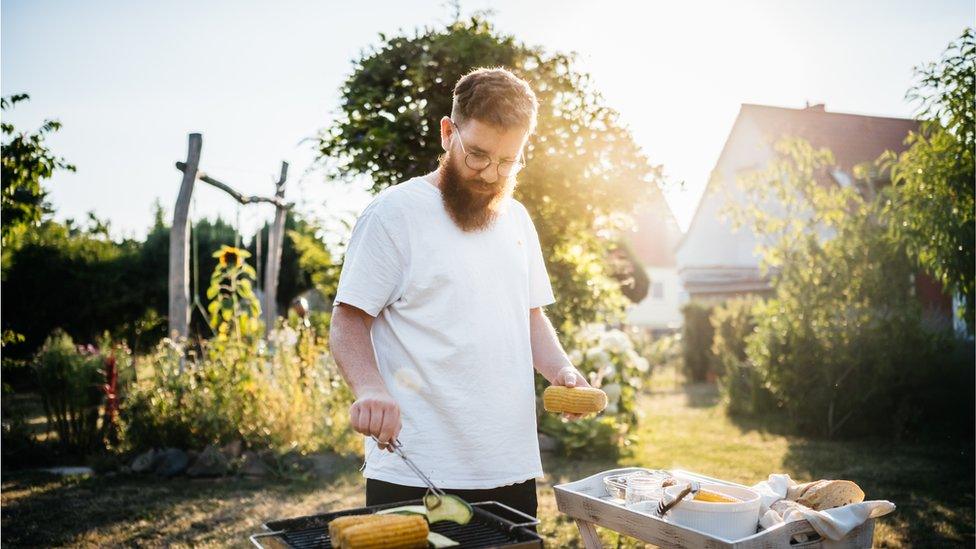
(432, 500)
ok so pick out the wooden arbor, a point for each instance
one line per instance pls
(179, 256)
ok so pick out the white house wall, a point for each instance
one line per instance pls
(662, 313)
(711, 241)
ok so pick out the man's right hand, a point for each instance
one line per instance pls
(377, 415)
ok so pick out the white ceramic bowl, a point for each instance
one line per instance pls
(729, 521)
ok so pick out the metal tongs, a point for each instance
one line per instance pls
(692, 488)
(433, 492)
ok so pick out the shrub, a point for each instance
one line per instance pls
(73, 386)
(842, 345)
(609, 360)
(286, 396)
(742, 385)
(696, 337)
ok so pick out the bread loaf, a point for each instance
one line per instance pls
(788, 510)
(826, 494)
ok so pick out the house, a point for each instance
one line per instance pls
(716, 262)
(652, 243)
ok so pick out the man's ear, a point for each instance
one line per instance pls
(447, 131)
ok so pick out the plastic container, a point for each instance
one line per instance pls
(730, 521)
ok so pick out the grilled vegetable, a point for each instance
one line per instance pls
(575, 400)
(390, 531)
(452, 508)
(404, 510)
(339, 524)
(440, 541)
(712, 497)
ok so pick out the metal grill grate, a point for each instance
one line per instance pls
(485, 529)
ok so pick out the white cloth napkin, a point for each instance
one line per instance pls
(832, 524)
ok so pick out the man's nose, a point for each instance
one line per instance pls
(489, 174)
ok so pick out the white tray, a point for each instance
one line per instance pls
(588, 502)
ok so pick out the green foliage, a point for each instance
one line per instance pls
(124, 284)
(840, 343)
(26, 162)
(610, 361)
(742, 384)
(305, 260)
(290, 399)
(72, 384)
(931, 205)
(234, 309)
(314, 258)
(77, 281)
(582, 165)
(696, 341)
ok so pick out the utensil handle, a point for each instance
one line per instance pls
(667, 506)
(398, 449)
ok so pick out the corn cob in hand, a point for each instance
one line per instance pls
(575, 400)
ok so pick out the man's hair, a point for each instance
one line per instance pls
(495, 97)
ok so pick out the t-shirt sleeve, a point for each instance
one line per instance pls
(374, 268)
(540, 287)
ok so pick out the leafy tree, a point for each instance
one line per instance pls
(932, 206)
(841, 345)
(26, 163)
(314, 259)
(582, 164)
(305, 261)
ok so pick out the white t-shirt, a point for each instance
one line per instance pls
(451, 336)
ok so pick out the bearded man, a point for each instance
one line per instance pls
(438, 323)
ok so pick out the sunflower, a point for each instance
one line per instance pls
(230, 255)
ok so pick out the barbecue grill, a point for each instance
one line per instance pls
(487, 528)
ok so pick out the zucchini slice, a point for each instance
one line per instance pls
(451, 508)
(440, 541)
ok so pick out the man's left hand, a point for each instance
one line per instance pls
(571, 377)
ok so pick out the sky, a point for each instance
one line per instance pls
(130, 80)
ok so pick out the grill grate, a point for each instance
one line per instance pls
(485, 529)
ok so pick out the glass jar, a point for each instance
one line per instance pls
(643, 492)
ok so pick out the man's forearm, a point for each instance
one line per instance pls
(352, 349)
(548, 356)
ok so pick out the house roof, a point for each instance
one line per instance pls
(852, 138)
(656, 235)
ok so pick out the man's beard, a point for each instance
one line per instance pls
(471, 209)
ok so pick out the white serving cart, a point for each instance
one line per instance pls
(588, 502)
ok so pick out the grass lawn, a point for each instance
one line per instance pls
(932, 484)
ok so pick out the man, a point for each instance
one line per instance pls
(438, 318)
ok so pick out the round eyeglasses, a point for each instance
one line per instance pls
(479, 161)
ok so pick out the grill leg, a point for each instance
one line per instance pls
(588, 532)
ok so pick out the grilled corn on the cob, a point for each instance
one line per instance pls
(575, 400)
(390, 531)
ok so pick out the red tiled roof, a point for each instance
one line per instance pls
(853, 138)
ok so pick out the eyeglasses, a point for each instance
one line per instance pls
(479, 161)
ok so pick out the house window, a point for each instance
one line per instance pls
(657, 291)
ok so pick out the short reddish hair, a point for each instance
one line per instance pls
(495, 97)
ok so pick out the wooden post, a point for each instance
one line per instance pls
(273, 260)
(591, 540)
(178, 286)
(179, 256)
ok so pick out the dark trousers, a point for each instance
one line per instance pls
(519, 496)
